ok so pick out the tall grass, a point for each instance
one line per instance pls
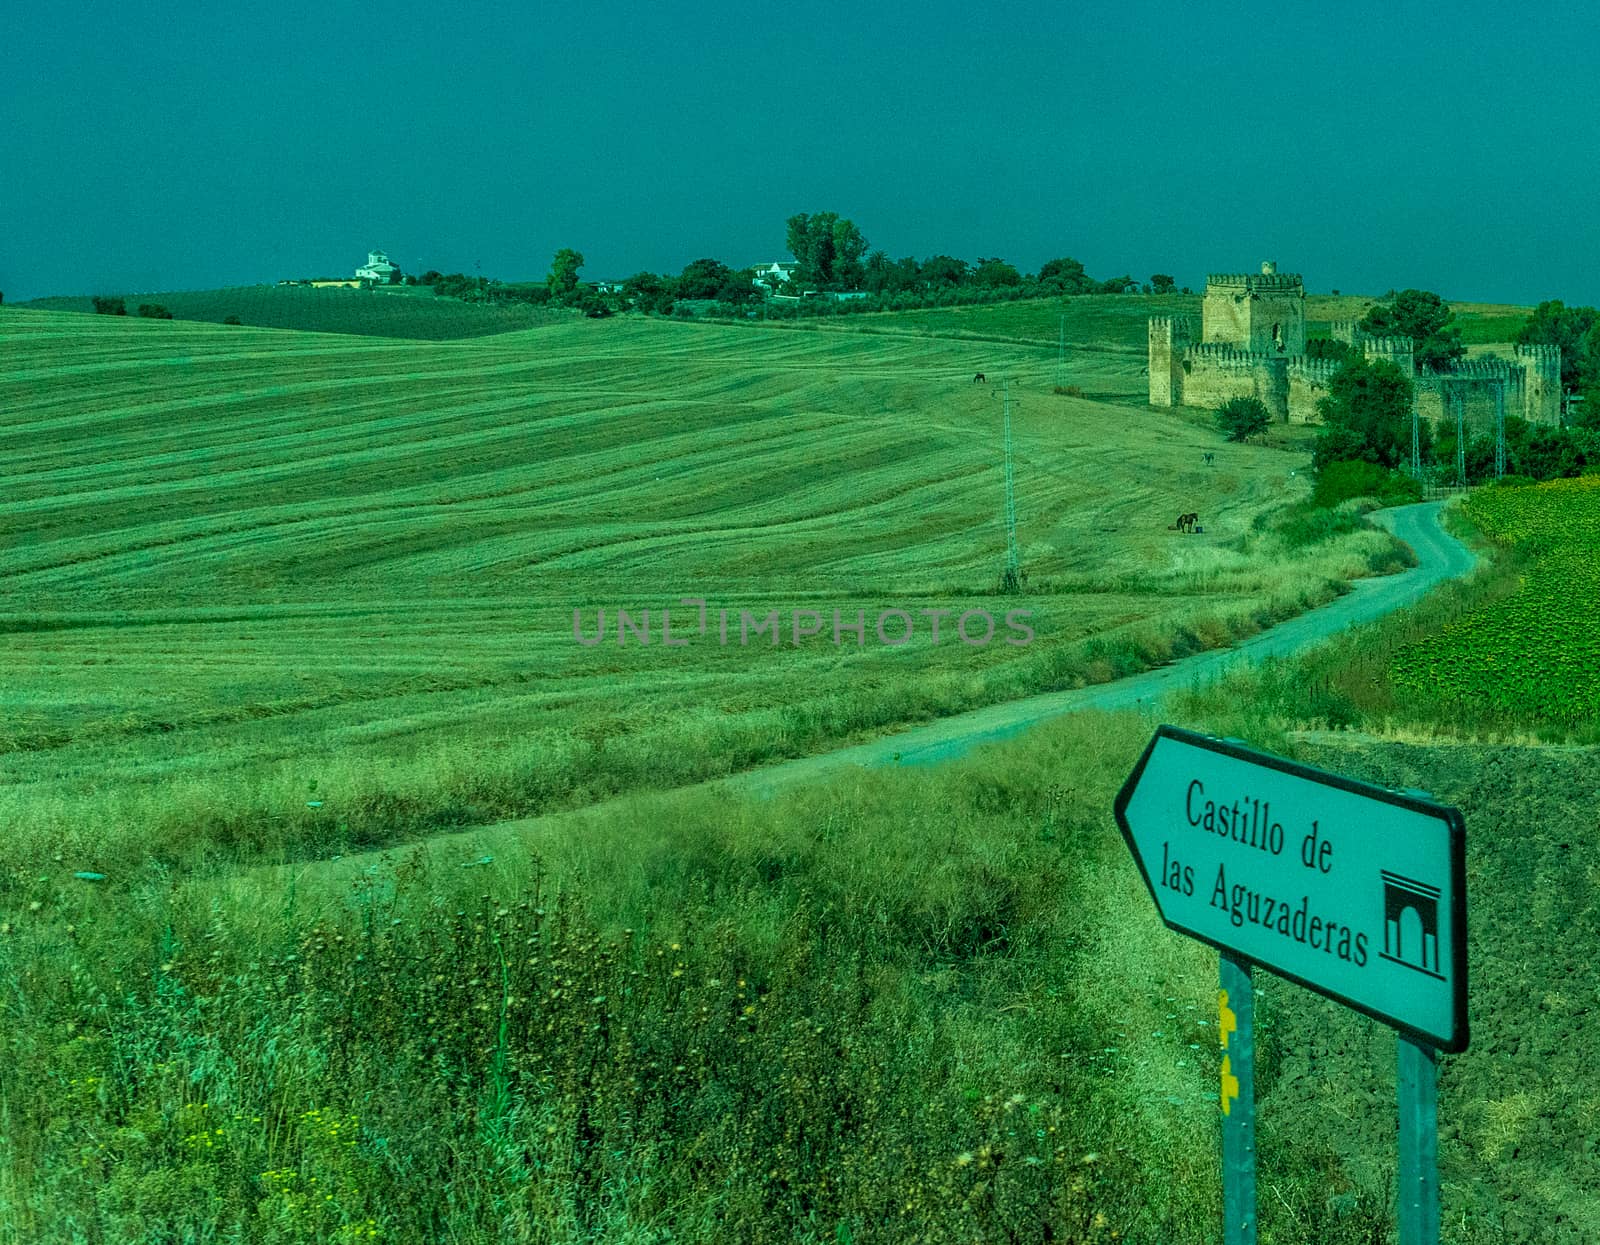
(923, 1006)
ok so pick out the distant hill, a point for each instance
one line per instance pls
(401, 311)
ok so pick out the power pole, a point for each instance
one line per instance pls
(1568, 401)
(1011, 580)
(1416, 443)
(1061, 356)
(1461, 439)
(1500, 430)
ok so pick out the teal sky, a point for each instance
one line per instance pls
(184, 145)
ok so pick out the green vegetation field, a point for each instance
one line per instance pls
(275, 599)
(1533, 655)
(302, 592)
(407, 312)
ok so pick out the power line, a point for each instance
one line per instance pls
(1011, 578)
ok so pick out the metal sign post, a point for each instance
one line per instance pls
(1351, 890)
(1236, 1007)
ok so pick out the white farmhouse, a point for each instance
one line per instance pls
(378, 269)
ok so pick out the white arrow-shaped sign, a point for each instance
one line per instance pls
(1349, 889)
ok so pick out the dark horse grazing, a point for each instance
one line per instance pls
(980, 378)
(1185, 523)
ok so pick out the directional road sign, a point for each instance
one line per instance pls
(1352, 890)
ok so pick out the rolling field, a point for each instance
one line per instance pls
(401, 311)
(1119, 323)
(295, 591)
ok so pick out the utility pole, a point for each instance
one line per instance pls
(1061, 356)
(1500, 430)
(1416, 443)
(1011, 580)
(1461, 439)
(1568, 401)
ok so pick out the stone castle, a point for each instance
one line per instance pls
(1253, 344)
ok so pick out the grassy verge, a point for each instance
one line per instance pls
(912, 1007)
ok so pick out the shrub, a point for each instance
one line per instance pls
(1242, 418)
(232, 320)
(154, 311)
(1339, 481)
(104, 306)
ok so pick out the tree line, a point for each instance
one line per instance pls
(831, 257)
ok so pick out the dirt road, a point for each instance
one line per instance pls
(1440, 556)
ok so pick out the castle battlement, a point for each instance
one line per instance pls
(1172, 324)
(1313, 371)
(1256, 280)
(1220, 354)
(1479, 369)
(1388, 345)
(1541, 352)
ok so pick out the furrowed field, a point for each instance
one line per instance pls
(273, 591)
(272, 598)
(1535, 655)
(398, 311)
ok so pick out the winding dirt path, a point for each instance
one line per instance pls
(1440, 557)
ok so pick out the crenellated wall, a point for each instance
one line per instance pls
(1253, 345)
(1214, 373)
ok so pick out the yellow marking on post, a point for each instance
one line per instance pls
(1227, 1022)
(1230, 1086)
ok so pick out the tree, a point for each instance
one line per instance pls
(1553, 323)
(702, 278)
(1366, 416)
(1327, 348)
(648, 292)
(995, 273)
(1065, 276)
(104, 306)
(1243, 418)
(1117, 285)
(1426, 319)
(828, 249)
(231, 320)
(431, 277)
(943, 270)
(563, 278)
(1161, 283)
(154, 311)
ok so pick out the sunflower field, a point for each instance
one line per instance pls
(1534, 656)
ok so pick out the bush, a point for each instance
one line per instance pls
(1338, 481)
(231, 320)
(154, 311)
(104, 306)
(1242, 418)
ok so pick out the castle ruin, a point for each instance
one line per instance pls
(1253, 342)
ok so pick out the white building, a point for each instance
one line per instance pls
(378, 269)
(769, 276)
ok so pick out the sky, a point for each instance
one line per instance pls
(188, 145)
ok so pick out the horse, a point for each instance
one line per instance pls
(980, 379)
(1185, 523)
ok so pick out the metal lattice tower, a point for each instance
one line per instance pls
(1500, 430)
(1461, 439)
(1011, 580)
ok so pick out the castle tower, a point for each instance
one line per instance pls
(1541, 387)
(1400, 351)
(1169, 338)
(1263, 313)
